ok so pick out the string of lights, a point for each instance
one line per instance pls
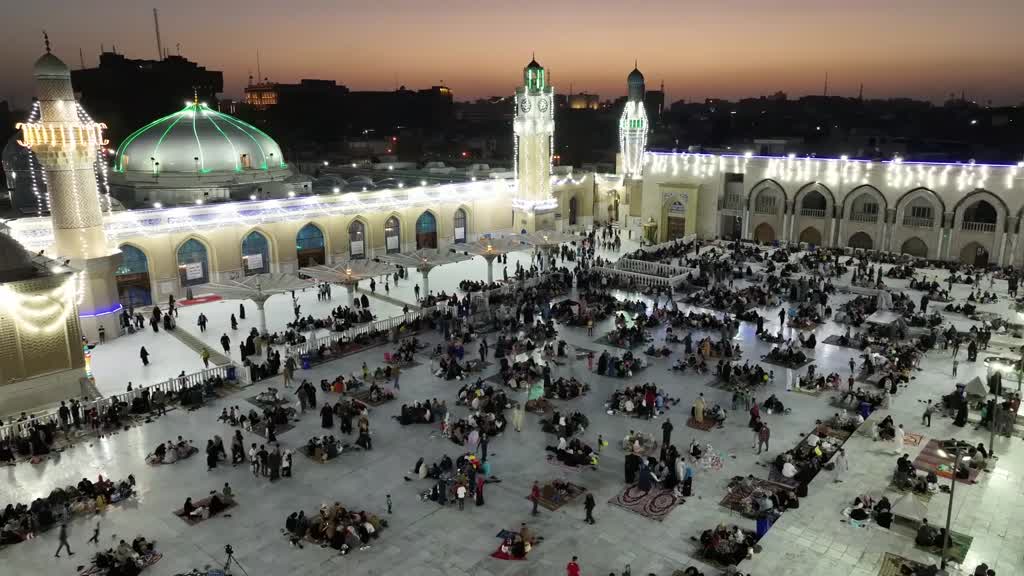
(43, 313)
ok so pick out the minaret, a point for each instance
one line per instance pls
(633, 127)
(534, 127)
(66, 147)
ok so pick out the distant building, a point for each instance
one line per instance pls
(584, 101)
(125, 93)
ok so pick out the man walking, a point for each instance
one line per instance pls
(589, 505)
(535, 496)
(394, 372)
(517, 418)
(95, 534)
(840, 466)
(572, 569)
(926, 418)
(63, 541)
(763, 435)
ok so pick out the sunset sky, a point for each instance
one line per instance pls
(723, 48)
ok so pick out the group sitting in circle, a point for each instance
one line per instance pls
(336, 527)
(171, 452)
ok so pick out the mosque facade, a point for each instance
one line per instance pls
(236, 207)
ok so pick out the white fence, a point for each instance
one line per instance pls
(670, 244)
(173, 385)
(641, 279)
(652, 268)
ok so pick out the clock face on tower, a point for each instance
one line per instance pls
(525, 105)
(542, 105)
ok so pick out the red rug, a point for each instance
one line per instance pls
(655, 504)
(706, 425)
(199, 300)
(930, 459)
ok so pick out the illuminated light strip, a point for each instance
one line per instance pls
(202, 160)
(232, 121)
(133, 136)
(230, 143)
(164, 135)
(117, 308)
(25, 312)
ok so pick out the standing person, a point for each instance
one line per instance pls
(572, 568)
(201, 321)
(144, 354)
(698, 409)
(241, 311)
(460, 492)
(517, 418)
(840, 466)
(63, 541)
(482, 452)
(535, 496)
(898, 438)
(288, 369)
(254, 461)
(205, 355)
(956, 345)
(95, 534)
(926, 418)
(853, 365)
(416, 290)
(211, 455)
(956, 363)
(589, 505)
(782, 318)
(234, 322)
(666, 435)
(763, 435)
(225, 343)
(395, 372)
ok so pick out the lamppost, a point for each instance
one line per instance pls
(949, 508)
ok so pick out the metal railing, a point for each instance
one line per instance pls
(863, 217)
(813, 212)
(733, 202)
(978, 226)
(651, 268)
(171, 386)
(766, 210)
(918, 222)
(670, 244)
(641, 279)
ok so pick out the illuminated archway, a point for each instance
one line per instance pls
(255, 253)
(310, 246)
(132, 275)
(426, 231)
(193, 263)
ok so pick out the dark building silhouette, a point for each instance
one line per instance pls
(127, 94)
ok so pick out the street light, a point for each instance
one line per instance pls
(949, 509)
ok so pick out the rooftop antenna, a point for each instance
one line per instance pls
(826, 83)
(81, 58)
(259, 73)
(46, 41)
(159, 45)
(860, 95)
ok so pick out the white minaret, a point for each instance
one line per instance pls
(633, 127)
(534, 128)
(66, 147)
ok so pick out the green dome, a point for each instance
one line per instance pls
(198, 139)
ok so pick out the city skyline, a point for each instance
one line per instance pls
(729, 49)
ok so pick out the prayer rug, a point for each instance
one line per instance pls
(199, 300)
(281, 401)
(736, 498)
(930, 459)
(559, 498)
(304, 449)
(193, 520)
(261, 430)
(144, 562)
(363, 395)
(833, 339)
(553, 460)
(810, 360)
(655, 504)
(706, 425)
(838, 434)
(912, 439)
(605, 341)
(809, 391)
(775, 475)
(924, 497)
(892, 565)
(959, 545)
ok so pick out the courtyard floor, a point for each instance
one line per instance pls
(426, 539)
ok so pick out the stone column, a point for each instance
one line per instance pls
(890, 220)
(350, 291)
(746, 223)
(490, 266)
(1012, 224)
(946, 235)
(261, 307)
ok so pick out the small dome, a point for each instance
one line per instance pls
(198, 139)
(15, 261)
(49, 66)
(533, 65)
(635, 76)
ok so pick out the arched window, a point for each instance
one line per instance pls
(426, 231)
(255, 254)
(392, 236)
(133, 287)
(309, 245)
(460, 226)
(193, 263)
(356, 240)
(572, 211)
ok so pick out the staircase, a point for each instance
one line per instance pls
(196, 344)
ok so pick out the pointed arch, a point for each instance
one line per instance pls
(919, 212)
(860, 241)
(393, 234)
(311, 245)
(764, 233)
(134, 287)
(460, 225)
(573, 206)
(426, 230)
(193, 257)
(811, 235)
(358, 238)
(994, 212)
(256, 252)
(914, 246)
(771, 186)
(849, 201)
(805, 192)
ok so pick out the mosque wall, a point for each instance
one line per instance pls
(959, 212)
(581, 188)
(224, 245)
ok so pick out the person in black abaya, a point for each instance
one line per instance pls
(365, 301)
(326, 417)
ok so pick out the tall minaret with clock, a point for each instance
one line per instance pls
(534, 126)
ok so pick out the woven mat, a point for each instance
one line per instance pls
(810, 360)
(809, 391)
(363, 395)
(734, 498)
(193, 520)
(706, 425)
(572, 492)
(924, 497)
(144, 562)
(605, 341)
(833, 339)
(912, 439)
(959, 545)
(891, 564)
(655, 504)
(929, 459)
